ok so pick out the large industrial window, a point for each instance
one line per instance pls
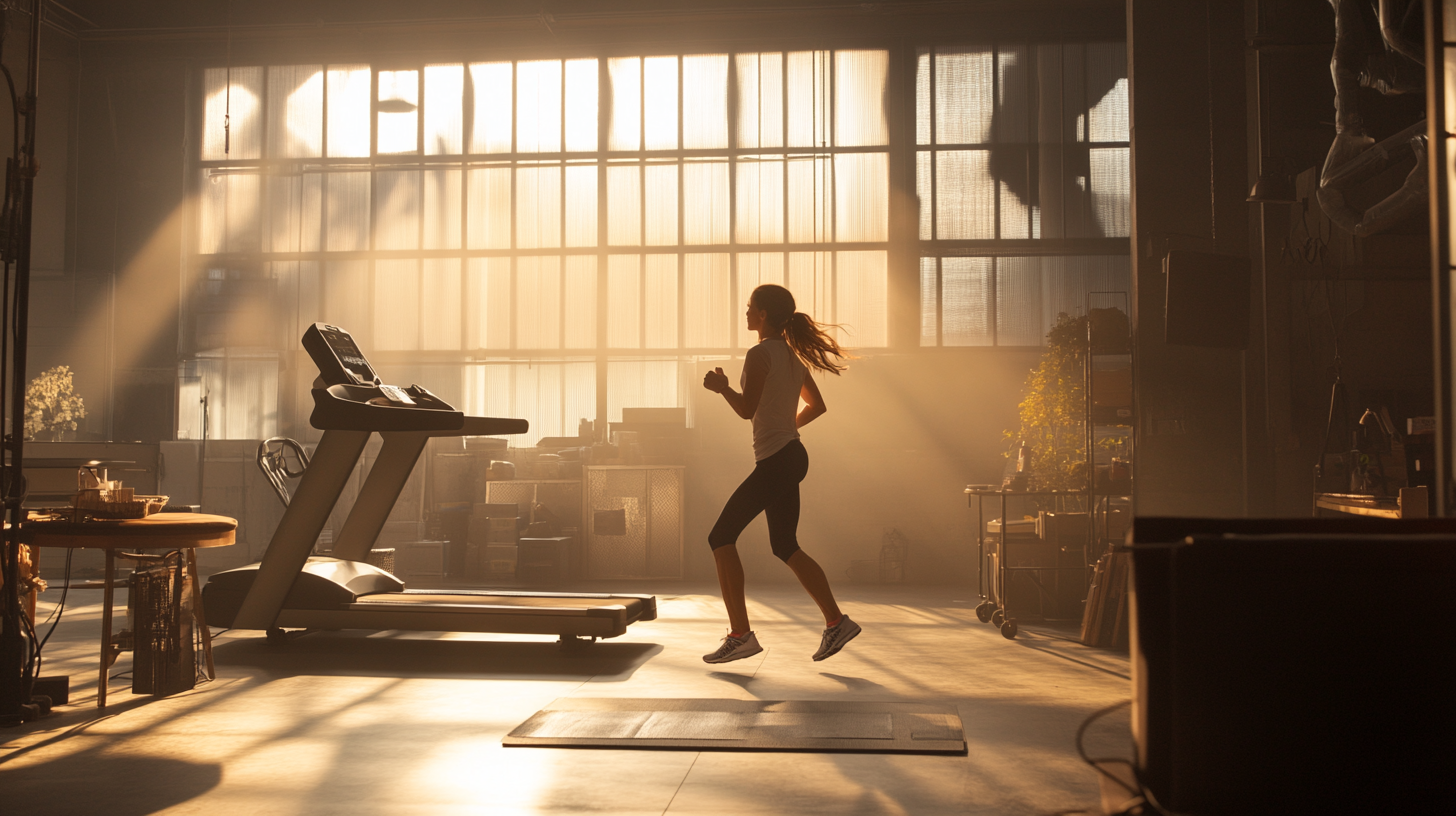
(1021, 168)
(532, 238)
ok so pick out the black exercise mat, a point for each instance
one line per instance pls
(744, 725)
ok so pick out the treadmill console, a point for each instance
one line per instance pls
(350, 396)
(337, 356)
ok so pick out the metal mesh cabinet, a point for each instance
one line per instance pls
(633, 521)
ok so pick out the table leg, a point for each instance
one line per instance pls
(199, 614)
(106, 653)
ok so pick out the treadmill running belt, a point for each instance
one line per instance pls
(548, 602)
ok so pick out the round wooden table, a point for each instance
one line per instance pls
(167, 531)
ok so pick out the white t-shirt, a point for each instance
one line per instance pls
(775, 423)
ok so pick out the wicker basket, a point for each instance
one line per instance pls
(91, 503)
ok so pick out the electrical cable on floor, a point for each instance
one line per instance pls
(60, 609)
(1141, 795)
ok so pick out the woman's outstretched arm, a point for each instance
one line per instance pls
(814, 407)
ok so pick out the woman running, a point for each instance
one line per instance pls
(776, 373)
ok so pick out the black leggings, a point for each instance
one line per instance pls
(772, 489)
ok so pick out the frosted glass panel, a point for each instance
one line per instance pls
(705, 101)
(1015, 215)
(346, 211)
(642, 384)
(624, 131)
(538, 207)
(922, 97)
(581, 302)
(230, 218)
(492, 125)
(488, 303)
(442, 209)
(552, 397)
(661, 301)
(1012, 104)
(659, 93)
(251, 406)
(581, 104)
(538, 106)
(294, 213)
(538, 302)
(860, 294)
(399, 129)
(397, 305)
(760, 100)
(923, 193)
(861, 196)
(246, 121)
(760, 200)
(397, 221)
(707, 304)
(1110, 194)
(965, 205)
(295, 111)
(624, 301)
(808, 103)
(348, 114)
(929, 302)
(966, 301)
(964, 81)
(1018, 301)
(581, 205)
(1107, 119)
(809, 202)
(661, 204)
(346, 298)
(859, 97)
(754, 270)
(444, 101)
(489, 208)
(441, 297)
(624, 205)
(809, 276)
(705, 202)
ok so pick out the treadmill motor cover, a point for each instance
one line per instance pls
(324, 583)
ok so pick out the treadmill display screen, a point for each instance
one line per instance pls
(348, 355)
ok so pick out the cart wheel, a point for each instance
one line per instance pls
(983, 612)
(1008, 629)
(998, 617)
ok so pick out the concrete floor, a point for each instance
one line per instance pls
(412, 724)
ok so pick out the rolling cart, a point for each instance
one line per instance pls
(992, 584)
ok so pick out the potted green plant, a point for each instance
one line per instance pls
(51, 405)
(1053, 411)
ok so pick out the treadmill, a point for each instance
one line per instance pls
(289, 589)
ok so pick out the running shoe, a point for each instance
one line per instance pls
(836, 636)
(735, 649)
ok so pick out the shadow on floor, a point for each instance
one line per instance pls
(338, 653)
(88, 782)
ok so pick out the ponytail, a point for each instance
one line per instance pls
(808, 339)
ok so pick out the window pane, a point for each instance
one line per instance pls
(859, 97)
(809, 275)
(642, 384)
(861, 196)
(754, 270)
(581, 205)
(444, 101)
(659, 93)
(581, 104)
(1107, 119)
(581, 302)
(346, 298)
(705, 101)
(442, 209)
(760, 200)
(929, 303)
(488, 303)
(809, 210)
(624, 301)
(230, 221)
(491, 132)
(922, 97)
(490, 208)
(661, 309)
(348, 91)
(1012, 68)
(240, 109)
(397, 223)
(1110, 194)
(294, 206)
(295, 111)
(922, 193)
(808, 87)
(624, 205)
(441, 298)
(346, 211)
(860, 281)
(250, 404)
(538, 302)
(538, 207)
(965, 301)
(397, 305)
(661, 204)
(760, 100)
(625, 129)
(965, 204)
(963, 93)
(705, 202)
(538, 106)
(1018, 301)
(706, 301)
(399, 102)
